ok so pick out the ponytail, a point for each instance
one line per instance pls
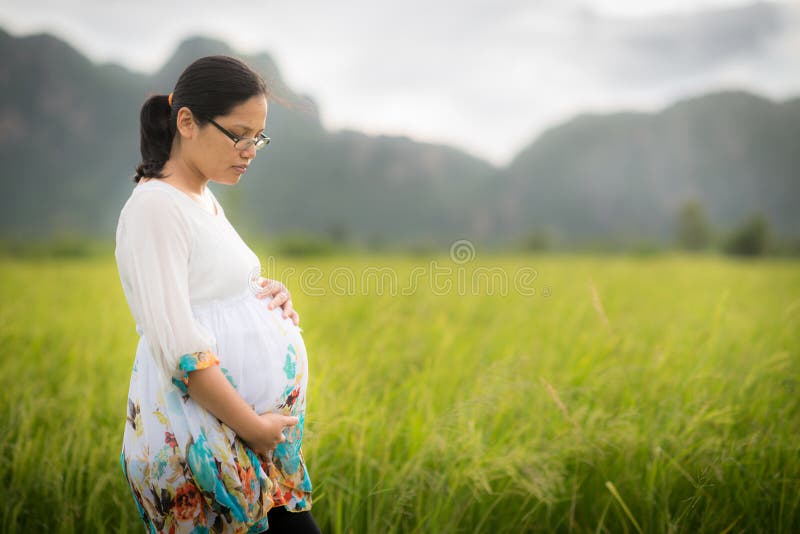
(157, 131)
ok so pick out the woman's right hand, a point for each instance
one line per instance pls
(269, 432)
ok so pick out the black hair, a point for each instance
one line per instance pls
(210, 86)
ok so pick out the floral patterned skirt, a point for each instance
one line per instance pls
(188, 471)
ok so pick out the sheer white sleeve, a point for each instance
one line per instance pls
(153, 246)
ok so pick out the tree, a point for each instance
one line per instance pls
(337, 232)
(749, 239)
(693, 232)
(537, 240)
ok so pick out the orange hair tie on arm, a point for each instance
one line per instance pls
(169, 99)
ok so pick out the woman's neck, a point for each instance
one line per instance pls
(184, 176)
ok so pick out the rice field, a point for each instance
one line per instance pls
(594, 394)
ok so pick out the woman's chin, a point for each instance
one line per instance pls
(227, 180)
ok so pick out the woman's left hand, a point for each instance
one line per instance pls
(280, 296)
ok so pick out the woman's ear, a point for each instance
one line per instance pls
(185, 123)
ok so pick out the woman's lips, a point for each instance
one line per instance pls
(241, 168)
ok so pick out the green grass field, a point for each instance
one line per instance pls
(655, 394)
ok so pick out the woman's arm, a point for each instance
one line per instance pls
(211, 389)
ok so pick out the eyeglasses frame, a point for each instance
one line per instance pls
(262, 139)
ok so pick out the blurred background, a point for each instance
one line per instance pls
(592, 124)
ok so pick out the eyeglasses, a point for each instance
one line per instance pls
(243, 143)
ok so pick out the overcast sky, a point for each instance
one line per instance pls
(486, 76)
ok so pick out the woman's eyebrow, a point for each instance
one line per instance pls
(245, 128)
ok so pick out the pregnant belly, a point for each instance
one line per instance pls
(262, 354)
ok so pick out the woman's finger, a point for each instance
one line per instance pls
(270, 288)
(279, 299)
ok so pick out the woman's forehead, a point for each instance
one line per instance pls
(251, 113)
(254, 105)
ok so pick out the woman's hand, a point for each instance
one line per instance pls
(268, 433)
(280, 296)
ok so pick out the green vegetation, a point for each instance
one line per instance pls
(693, 229)
(749, 239)
(626, 394)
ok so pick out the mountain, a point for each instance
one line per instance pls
(629, 173)
(65, 135)
(69, 144)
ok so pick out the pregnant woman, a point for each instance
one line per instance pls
(216, 403)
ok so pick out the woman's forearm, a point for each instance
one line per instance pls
(211, 389)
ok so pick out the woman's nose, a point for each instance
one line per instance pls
(250, 152)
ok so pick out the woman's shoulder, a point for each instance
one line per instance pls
(156, 192)
(153, 201)
(153, 185)
(154, 217)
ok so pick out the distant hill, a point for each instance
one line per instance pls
(628, 173)
(69, 143)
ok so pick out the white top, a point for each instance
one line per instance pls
(173, 254)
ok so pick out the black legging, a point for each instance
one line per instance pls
(282, 521)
